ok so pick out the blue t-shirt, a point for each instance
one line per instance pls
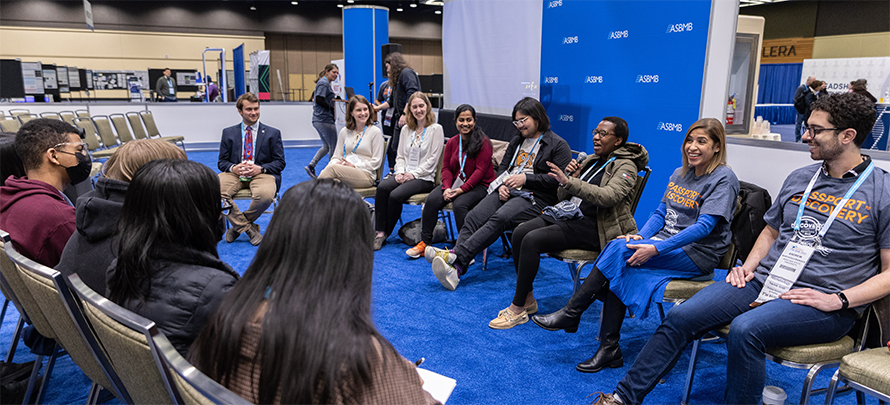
(688, 196)
(850, 251)
(323, 113)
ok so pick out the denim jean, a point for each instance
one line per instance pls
(798, 124)
(777, 323)
(328, 134)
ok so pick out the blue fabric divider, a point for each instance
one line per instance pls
(778, 82)
(777, 114)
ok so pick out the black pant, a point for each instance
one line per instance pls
(485, 223)
(535, 237)
(390, 197)
(393, 142)
(460, 205)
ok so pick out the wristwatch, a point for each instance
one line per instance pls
(844, 302)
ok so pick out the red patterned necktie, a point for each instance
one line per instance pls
(248, 145)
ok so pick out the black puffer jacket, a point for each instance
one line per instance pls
(186, 288)
(92, 248)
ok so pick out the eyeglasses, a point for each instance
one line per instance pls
(518, 123)
(817, 131)
(602, 134)
(81, 146)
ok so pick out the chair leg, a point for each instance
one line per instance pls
(575, 272)
(690, 373)
(16, 334)
(37, 363)
(93, 397)
(485, 259)
(57, 351)
(3, 313)
(660, 311)
(808, 382)
(832, 388)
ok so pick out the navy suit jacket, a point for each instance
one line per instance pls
(269, 150)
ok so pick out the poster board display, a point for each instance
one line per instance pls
(62, 78)
(86, 77)
(50, 80)
(73, 78)
(186, 79)
(838, 73)
(32, 75)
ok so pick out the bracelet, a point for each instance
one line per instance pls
(844, 302)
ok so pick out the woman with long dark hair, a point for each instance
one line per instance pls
(359, 151)
(404, 82)
(297, 329)
(420, 148)
(323, 115)
(685, 238)
(466, 174)
(167, 268)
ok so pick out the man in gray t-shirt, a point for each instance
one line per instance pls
(849, 268)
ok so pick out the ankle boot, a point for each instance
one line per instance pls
(609, 353)
(569, 316)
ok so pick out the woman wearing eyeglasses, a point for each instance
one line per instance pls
(594, 208)
(685, 238)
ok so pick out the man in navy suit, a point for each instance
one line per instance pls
(251, 155)
(801, 92)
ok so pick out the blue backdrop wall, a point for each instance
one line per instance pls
(639, 60)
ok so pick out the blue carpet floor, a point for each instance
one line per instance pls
(523, 365)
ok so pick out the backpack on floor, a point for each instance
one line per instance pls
(410, 232)
(748, 221)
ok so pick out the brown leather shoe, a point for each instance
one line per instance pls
(603, 399)
(254, 233)
(232, 234)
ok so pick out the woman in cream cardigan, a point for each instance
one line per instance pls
(359, 150)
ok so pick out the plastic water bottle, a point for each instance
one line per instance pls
(773, 395)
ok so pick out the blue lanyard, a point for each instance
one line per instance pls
(611, 159)
(463, 158)
(838, 207)
(414, 136)
(356, 144)
(519, 147)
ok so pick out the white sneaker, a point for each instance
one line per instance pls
(431, 252)
(446, 273)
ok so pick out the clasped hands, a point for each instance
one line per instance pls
(247, 169)
(514, 181)
(451, 193)
(403, 177)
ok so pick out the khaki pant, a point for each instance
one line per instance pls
(355, 178)
(262, 188)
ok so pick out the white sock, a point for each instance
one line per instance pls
(617, 398)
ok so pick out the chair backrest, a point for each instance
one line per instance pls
(24, 118)
(386, 140)
(83, 113)
(15, 112)
(498, 149)
(20, 290)
(68, 116)
(89, 132)
(120, 125)
(10, 124)
(51, 115)
(194, 386)
(136, 123)
(8, 267)
(438, 179)
(639, 187)
(50, 290)
(103, 125)
(127, 338)
(149, 121)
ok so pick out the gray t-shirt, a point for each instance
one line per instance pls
(687, 197)
(850, 251)
(321, 113)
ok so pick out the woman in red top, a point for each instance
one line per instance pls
(466, 173)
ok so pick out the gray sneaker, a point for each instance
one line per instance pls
(254, 233)
(446, 273)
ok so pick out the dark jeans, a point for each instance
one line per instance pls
(535, 237)
(798, 123)
(461, 206)
(393, 142)
(390, 197)
(777, 323)
(485, 224)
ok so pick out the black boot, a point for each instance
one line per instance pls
(569, 316)
(609, 353)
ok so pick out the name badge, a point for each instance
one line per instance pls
(354, 159)
(786, 271)
(457, 183)
(576, 201)
(413, 158)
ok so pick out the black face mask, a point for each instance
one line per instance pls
(81, 171)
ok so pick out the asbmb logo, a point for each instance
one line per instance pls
(618, 34)
(551, 79)
(647, 78)
(593, 79)
(570, 40)
(669, 126)
(554, 4)
(679, 28)
(567, 118)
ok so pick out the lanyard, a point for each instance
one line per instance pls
(519, 147)
(414, 137)
(611, 159)
(356, 144)
(463, 158)
(838, 207)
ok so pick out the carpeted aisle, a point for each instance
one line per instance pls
(523, 365)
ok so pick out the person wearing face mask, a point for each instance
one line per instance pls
(594, 208)
(466, 174)
(359, 150)
(420, 146)
(522, 189)
(33, 210)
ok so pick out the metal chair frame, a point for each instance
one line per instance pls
(184, 373)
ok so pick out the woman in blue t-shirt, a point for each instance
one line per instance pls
(685, 238)
(323, 115)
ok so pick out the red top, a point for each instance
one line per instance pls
(477, 170)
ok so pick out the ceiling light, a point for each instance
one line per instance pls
(294, 3)
(350, 1)
(434, 3)
(399, 9)
(252, 8)
(340, 5)
(438, 11)
(413, 5)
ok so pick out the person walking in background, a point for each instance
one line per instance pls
(323, 116)
(212, 90)
(800, 106)
(165, 87)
